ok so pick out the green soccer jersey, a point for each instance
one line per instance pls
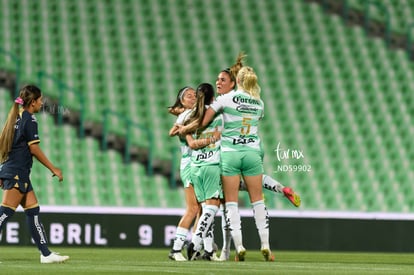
(185, 150)
(211, 153)
(241, 116)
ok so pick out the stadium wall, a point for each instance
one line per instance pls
(155, 228)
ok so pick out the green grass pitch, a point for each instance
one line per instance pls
(25, 260)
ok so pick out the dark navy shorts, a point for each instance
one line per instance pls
(24, 185)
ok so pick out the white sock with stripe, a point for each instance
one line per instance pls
(234, 221)
(261, 218)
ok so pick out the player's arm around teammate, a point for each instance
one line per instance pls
(205, 172)
(241, 155)
(182, 108)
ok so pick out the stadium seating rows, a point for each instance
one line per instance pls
(91, 176)
(335, 95)
(400, 13)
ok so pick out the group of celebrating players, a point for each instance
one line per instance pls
(222, 154)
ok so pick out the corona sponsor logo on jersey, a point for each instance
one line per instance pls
(241, 100)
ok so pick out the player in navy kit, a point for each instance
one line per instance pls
(19, 141)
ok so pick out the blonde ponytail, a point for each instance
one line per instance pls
(248, 82)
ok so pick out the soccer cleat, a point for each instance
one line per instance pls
(53, 258)
(267, 254)
(225, 255)
(176, 256)
(293, 197)
(210, 256)
(192, 254)
(215, 258)
(241, 252)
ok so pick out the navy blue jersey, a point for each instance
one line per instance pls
(20, 159)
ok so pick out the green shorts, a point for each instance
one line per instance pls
(207, 182)
(246, 163)
(185, 175)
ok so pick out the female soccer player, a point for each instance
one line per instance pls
(241, 154)
(19, 141)
(226, 83)
(182, 107)
(205, 171)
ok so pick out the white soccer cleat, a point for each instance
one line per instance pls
(215, 258)
(177, 256)
(210, 256)
(53, 258)
(225, 255)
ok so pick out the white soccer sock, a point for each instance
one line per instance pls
(261, 218)
(194, 238)
(233, 219)
(209, 239)
(272, 184)
(225, 230)
(204, 223)
(180, 237)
